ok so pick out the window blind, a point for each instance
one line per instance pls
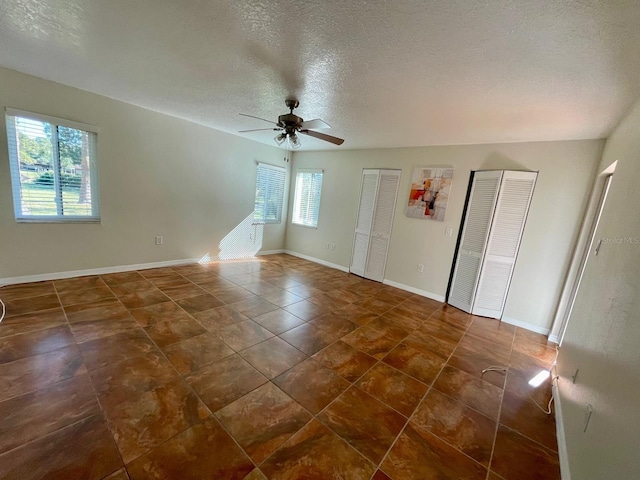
(269, 193)
(306, 204)
(53, 168)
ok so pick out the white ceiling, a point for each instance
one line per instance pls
(381, 73)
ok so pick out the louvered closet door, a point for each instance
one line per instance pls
(364, 222)
(385, 207)
(503, 243)
(482, 201)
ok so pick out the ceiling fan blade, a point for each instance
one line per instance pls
(259, 129)
(263, 119)
(323, 136)
(316, 123)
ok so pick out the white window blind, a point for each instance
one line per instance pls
(53, 168)
(269, 193)
(306, 204)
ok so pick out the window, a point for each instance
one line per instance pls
(269, 194)
(53, 169)
(306, 204)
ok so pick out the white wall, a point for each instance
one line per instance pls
(159, 175)
(567, 170)
(603, 335)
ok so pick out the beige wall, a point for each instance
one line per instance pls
(603, 335)
(567, 170)
(159, 175)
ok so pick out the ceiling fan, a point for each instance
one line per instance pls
(289, 125)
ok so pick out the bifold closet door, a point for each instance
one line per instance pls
(503, 243)
(364, 221)
(383, 213)
(482, 201)
(376, 210)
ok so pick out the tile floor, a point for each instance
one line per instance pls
(272, 368)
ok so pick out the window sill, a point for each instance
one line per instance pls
(59, 220)
(305, 226)
(261, 223)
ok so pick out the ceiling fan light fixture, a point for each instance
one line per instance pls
(280, 138)
(294, 140)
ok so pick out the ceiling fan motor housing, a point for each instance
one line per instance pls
(289, 120)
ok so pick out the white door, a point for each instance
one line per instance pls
(503, 243)
(368, 193)
(385, 207)
(477, 224)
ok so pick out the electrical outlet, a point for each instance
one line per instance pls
(159, 240)
(333, 246)
(420, 268)
(448, 231)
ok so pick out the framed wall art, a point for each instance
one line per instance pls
(429, 192)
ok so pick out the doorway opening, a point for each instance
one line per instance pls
(584, 247)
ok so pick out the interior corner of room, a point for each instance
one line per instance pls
(173, 191)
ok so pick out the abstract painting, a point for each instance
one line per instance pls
(429, 193)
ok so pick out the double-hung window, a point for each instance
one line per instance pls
(269, 194)
(306, 204)
(53, 165)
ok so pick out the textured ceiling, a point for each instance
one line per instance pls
(381, 73)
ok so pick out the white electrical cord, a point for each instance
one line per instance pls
(548, 410)
(495, 368)
(553, 379)
(501, 369)
(4, 308)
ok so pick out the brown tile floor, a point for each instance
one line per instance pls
(272, 368)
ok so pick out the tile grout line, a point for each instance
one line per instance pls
(68, 324)
(211, 414)
(495, 435)
(36, 312)
(309, 356)
(315, 416)
(169, 362)
(57, 383)
(107, 419)
(312, 416)
(55, 432)
(519, 433)
(249, 392)
(103, 413)
(425, 395)
(223, 426)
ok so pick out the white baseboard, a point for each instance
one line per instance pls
(94, 271)
(270, 252)
(563, 456)
(408, 288)
(554, 338)
(417, 291)
(401, 286)
(317, 260)
(525, 325)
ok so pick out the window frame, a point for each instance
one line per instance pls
(296, 216)
(14, 167)
(273, 170)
